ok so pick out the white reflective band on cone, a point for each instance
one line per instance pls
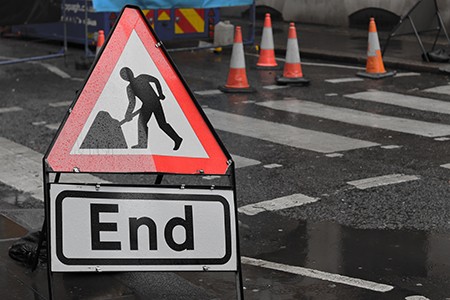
(292, 54)
(237, 57)
(267, 39)
(374, 44)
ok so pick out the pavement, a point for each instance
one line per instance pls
(19, 216)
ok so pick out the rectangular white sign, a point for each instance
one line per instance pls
(113, 228)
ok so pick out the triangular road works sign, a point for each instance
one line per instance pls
(135, 113)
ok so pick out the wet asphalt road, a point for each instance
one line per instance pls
(393, 235)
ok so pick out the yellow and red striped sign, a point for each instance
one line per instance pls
(189, 20)
(163, 14)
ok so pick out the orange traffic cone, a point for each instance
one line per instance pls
(374, 66)
(292, 72)
(100, 41)
(267, 53)
(237, 77)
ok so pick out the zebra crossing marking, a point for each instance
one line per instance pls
(414, 102)
(447, 166)
(10, 109)
(344, 80)
(208, 92)
(277, 204)
(391, 147)
(275, 87)
(54, 70)
(272, 166)
(242, 162)
(337, 278)
(53, 126)
(357, 117)
(407, 74)
(283, 134)
(377, 181)
(22, 169)
(443, 89)
(60, 104)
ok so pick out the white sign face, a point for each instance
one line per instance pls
(114, 101)
(111, 228)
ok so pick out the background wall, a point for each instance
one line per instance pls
(337, 12)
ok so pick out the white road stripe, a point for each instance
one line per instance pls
(275, 87)
(21, 169)
(283, 134)
(443, 89)
(417, 297)
(344, 80)
(54, 70)
(407, 74)
(447, 166)
(361, 118)
(53, 126)
(276, 204)
(368, 183)
(60, 104)
(337, 278)
(242, 162)
(49, 67)
(208, 92)
(272, 166)
(10, 109)
(419, 103)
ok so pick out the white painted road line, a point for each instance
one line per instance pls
(283, 134)
(51, 68)
(60, 104)
(447, 166)
(242, 162)
(336, 278)
(356, 117)
(272, 166)
(208, 92)
(443, 89)
(344, 80)
(21, 169)
(53, 126)
(275, 87)
(10, 109)
(54, 70)
(419, 103)
(407, 74)
(277, 204)
(368, 183)
(417, 297)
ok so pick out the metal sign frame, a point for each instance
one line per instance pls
(46, 232)
(48, 173)
(418, 24)
(61, 53)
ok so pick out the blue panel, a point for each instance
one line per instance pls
(117, 5)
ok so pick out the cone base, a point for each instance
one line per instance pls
(376, 75)
(281, 80)
(226, 89)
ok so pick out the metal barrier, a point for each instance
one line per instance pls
(60, 53)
